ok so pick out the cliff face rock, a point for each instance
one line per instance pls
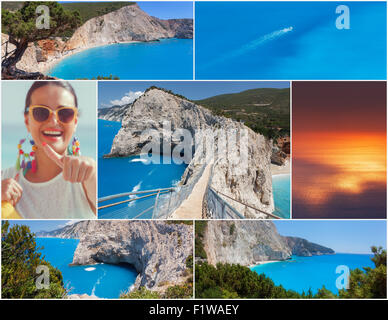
(114, 113)
(303, 248)
(72, 231)
(249, 242)
(244, 242)
(249, 181)
(129, 23)
(157, 250)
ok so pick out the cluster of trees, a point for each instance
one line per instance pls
(264, 110)
(20, 258)
(20, 25)
(200, 227)
(236, 281)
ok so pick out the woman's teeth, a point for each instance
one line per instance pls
(52, 133)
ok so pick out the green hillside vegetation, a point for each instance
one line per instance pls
(20, 258)
(264, 110)
(236, 281)
(87, 10)
(200, 227)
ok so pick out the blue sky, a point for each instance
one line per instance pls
(353, 236)
(42, 225)
(167, 9)
(109, 91)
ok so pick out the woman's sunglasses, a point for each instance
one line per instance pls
(62, 114)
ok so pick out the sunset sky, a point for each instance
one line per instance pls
(339, 149)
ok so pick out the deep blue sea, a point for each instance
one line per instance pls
(281, 192)
(163, 60)
(289, 40)
(119, 175)
(101, 280)
(302, 273)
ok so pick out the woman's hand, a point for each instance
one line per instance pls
(11, 191)
(77, 169)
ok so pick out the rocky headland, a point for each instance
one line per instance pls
(248, 181)
(251, 242)
(158, 250)
(125, 25)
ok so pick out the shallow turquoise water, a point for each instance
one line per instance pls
(163, 60)
(119, 175)
(302, 273)
(281, 192)
(101, 280)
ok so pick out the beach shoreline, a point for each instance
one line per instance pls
(258, 263)
(45, 67)
(281, 170)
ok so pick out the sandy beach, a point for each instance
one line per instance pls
(44, 67)
(285, 169)
(263, 262)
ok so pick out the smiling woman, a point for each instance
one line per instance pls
(52, 180)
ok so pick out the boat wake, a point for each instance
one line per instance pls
(98, 282)
(252, 45)
(135, 188)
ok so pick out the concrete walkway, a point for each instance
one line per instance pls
(191, 208)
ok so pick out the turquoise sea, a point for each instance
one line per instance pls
(304, 273)
(281, 192)
(101, 280)
(130, 174)
(165, 60)
(289, 40)
(119, 175)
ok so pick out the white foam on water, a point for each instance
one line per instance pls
(151, 172)
(90, 269)
(250, 46)
(140, 160)
(97, 283)
(134, 189)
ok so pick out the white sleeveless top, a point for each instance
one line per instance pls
(53, 199)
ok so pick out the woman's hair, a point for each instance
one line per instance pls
(38, 84)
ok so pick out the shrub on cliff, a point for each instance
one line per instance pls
(373, 282)
(200, 227)
(19, 261)
(21, 27)
(184, 291)
(141, 293)
(233, 280)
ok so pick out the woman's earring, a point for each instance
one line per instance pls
(74, 150)
(28, 159)
(32, 154)
(20, 152)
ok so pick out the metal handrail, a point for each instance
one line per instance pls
(133, 199)
(225, 204)
(119, 195)
(247, 205)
